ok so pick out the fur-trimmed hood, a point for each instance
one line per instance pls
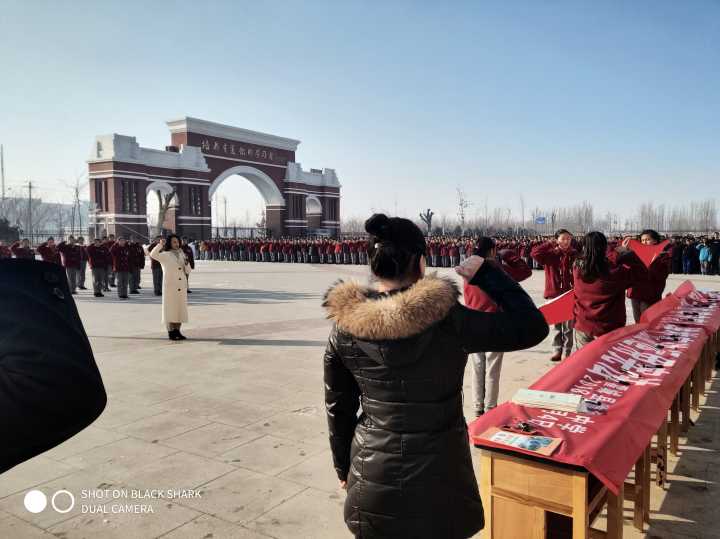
(365, 314)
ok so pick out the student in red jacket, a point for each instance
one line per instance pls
(21, 249)
(98, 258)
(49, 253)
(486, 365)
(71, 260)
(120, 255)
(649, 292)
(601, 279)
(557, 257)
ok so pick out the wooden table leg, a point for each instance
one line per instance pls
(661, 468)
(646, 486)
(696, 375)
(709, 360)
(685, 405)
(639, 495)
(615, 514)
(581, 518)
(486, 492)
(674, 426)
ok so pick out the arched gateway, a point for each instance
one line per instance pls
(201, 156)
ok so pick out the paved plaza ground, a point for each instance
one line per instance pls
(236, 414)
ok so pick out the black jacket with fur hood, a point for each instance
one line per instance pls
(401, 356)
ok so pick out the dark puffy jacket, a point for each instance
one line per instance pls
(50, 387)
(401, 356)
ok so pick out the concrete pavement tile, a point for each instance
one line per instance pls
(242, 414)
(316, 472)
(195, 405)
(308, 424)
(117, 459)
(161, 426)
(32, 472)
(178, 471)
(312, 513)
(156, 394)
(211, 439)
(242, 495)
(79, 484)
(123, 525)
(119, 412)
(270, 455)
(83, 441)
(207, 527)
(13, 527)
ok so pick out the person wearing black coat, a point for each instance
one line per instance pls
(398, 353)
(50, 386)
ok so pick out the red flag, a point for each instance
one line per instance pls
(647, 253)
(559, 309)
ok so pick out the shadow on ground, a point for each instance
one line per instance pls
(693, 491)
(225, 341)
(210, 296)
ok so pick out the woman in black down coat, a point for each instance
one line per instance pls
(399, 350)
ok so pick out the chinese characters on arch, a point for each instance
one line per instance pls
(233, 149)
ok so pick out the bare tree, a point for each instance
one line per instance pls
(353, 225)
(426, 217)
(163, 207)
(463, 205)
(261, 222)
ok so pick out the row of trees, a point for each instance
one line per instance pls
(33, 215)
(697, 217)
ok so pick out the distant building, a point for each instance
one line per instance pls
(201, 156)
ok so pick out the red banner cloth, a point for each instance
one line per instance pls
(635, 372)
(559, 309)
(687, 306)
(647, 253)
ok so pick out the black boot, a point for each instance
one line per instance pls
(173, 334)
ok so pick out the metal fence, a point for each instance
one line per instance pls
(41, 236)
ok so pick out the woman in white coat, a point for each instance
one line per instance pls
(176, 268)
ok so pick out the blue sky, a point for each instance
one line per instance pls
(613, 102)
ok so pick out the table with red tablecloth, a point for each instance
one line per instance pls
(634, 374)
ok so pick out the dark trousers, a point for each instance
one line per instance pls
(99, 276)
(134, 279)
(81, 277)
(157, 280)
(123, 278)
(72, 275)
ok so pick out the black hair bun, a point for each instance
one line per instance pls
(378, 225)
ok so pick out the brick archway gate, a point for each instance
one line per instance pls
(201, 156)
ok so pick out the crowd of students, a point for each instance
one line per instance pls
(690, 254)
(113, 262)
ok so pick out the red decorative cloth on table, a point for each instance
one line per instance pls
(635, 371)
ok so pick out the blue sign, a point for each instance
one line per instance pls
(540, 220)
